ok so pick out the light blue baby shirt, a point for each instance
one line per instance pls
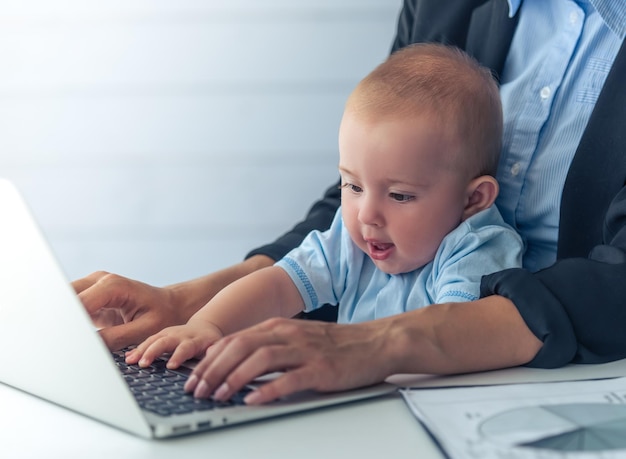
(328, 268)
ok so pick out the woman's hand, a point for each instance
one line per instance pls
(126, 311)
(439, 339)
(313, 355)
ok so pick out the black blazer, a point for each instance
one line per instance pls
(577, 307)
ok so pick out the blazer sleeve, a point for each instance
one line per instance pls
(576, 307)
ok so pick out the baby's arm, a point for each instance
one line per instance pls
(252, 299)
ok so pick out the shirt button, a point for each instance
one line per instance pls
(573, 17)
(545, 92)
(515, 168)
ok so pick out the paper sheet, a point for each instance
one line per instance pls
(515, 375)
(564, 420)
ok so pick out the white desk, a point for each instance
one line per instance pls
(379, 428)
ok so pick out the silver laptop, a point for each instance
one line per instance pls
(51, 349)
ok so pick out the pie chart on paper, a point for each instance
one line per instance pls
(574, 427)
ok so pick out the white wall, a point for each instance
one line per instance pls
(164, 139)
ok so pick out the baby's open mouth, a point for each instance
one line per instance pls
(379, 246)
(379, 250)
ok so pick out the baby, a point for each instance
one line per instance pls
(419, 144)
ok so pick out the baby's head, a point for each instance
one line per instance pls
(445, 85)
(418, 148)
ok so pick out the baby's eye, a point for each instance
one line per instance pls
(399, 197)
(352, 187)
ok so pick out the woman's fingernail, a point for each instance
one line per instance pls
(252, 398)
(191, 383)
(202, 390)
(221, 392)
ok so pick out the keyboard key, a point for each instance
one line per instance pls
(161, 390)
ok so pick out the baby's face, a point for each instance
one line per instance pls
(402, 193)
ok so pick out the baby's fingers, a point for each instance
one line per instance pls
(133, 356)
(165, 344)
(151, 349)
(186, 349)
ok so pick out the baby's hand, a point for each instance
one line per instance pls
(183, 341)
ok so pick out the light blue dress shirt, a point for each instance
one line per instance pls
(561, 53)
(329, 268)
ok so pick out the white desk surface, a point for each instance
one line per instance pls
(378, 428)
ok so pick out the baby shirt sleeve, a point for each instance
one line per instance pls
(481, 245)
(318, 266)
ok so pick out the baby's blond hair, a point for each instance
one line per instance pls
(444, 82)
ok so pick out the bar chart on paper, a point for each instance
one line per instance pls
(577, 420)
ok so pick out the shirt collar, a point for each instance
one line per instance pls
(612, 12)
(513, 7)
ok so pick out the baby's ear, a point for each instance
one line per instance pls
(481, 194)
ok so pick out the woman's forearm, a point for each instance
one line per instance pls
(460, 337)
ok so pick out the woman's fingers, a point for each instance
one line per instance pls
(311, 355)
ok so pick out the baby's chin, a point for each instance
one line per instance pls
(396, 269)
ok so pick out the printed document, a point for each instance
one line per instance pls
(564, 420)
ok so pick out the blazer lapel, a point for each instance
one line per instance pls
(490, 34)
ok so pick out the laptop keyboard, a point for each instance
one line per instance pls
(160, 390)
